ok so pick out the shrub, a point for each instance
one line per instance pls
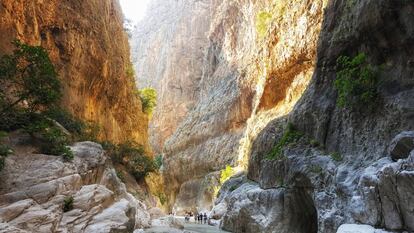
(148, 98)
(132, 156)
(316, 169)
(53, 140)
(120, 175)
(290, 135)
(68, 204)
(4, 151)
(226, 173)
(263, 20)
(162, 197)
(140, 166)
(158, 161)
(129, 71)
(314, 143)
(28, 76)
(66, 119)
(357, 82)
(336, 156)
(90, 131)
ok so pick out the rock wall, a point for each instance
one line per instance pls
(89, 48)
(353, 175)
(167, 50)
(231, 84)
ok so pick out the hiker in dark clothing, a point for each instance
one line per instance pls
(205, 218)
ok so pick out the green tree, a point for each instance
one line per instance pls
(28, 76)
(149, 99)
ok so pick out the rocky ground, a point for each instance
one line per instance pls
(35, 187)
(309, 191)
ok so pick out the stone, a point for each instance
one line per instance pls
(42, 182)
(401, 146)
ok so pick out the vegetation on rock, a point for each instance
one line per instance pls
(133, 157)
(290, 135)
(148, 99)
(357, 82)
(4, 151)
(28, 80)
(68, 204)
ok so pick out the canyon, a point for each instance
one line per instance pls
(245, 86)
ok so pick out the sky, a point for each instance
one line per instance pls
(134, 9)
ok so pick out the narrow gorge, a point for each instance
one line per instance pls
(264, 115)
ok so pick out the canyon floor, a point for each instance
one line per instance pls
(160, 226)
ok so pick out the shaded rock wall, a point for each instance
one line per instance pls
(361, 183)
(89, 48)
(236, 69)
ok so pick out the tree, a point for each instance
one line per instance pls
(149, 99)
(28, 79)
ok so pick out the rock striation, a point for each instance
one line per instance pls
(267, 65)
(89, 48)
(34, 189)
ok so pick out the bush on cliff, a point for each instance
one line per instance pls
(28, 80)
(149, 99)
(290, 135)
(29, 89)
(132, 156)
(357, 82)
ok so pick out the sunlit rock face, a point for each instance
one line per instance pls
(220, 82)
(89, 48)
(168, 49)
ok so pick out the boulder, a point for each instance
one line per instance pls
(401, 145)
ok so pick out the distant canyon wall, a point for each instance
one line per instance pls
(220, 81)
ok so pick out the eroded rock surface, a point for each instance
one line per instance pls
(34, 187)
(89, 48)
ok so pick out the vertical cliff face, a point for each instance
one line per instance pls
(167, 50)
(89, 48)
(244, 80)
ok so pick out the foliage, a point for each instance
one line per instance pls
(263, 20)
(316, 169)
(140, 166)
(357, 82)
(158, 161)
(314, 143)
(232, 188)
(53, 140)
(133, 156)
(226, 173)
(290, 135)
(90, 131)
(162, 197)
(149, 99)
(120, 175)
(129, 71)
(68, 204)
(4, 151)
(66, 119)
(28, 79)
(336, 156)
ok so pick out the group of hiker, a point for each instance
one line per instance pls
(198, 218)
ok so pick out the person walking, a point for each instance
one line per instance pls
(205, 218)
(195, 217)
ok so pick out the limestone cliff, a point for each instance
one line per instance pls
(89, 48)
(268, 63)
(167, 49)
(231, 87)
